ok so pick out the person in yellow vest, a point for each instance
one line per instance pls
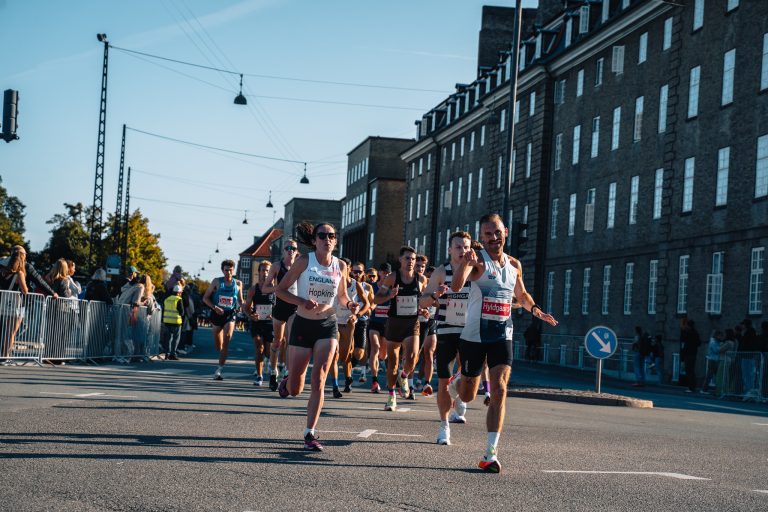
(173, 314)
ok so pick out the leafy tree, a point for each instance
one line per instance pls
(11, 220)
(69, 236)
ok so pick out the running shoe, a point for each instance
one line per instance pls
(312, 443)
(375, 387)
(444, 436)
(284, 372)
(427, 391)
(411, 395)
(217, 374)
(172, 357)
(418, 386)
(282, 388)
(258, 381)
(337, 393)
(348, 385)
(273, 382)
(453, 390)
(490, 466)
(362, 376)
(456, 418)
(487, 400)
(460, 407)
(404, 388)
(391, 403)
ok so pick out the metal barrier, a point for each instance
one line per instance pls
(34, 328)
(743, 374)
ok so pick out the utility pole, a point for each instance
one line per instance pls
(98, 185)
(125, 221)
(119, 208)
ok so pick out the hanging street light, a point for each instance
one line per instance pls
(240, 99)
(304, 180)
(245, 217)
(229, 238)
(217, 248)
(269, 203)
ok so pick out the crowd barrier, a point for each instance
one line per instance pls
(743, 374)
(35, 328)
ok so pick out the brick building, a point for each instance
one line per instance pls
(262, 248)
(375, 178)
(640, 161)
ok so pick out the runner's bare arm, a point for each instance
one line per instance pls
(470, 269)
(282, 293)
(269, 283)
(247, 305)
(435, 288)
(342, 293)
(525, 299)
(240, 296)
(385, 290)
(362, 293)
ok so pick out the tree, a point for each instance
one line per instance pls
(144, 250)
(69, 236)
(11, 220)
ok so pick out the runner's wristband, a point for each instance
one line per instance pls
(536, 306)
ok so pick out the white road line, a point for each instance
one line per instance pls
(761, 424)
(760, 491)
(722, 407)
(366, 433)
(399, 435)
(87, 395)
(679, 476)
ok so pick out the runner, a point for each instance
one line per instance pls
(224, 296)
(320, 277)
(496, 280)
(349, 325)
(365, 300)
(427, 335)
(259, 309)
(403, 288)
(377, 344)
(450, 321)
(281, 313)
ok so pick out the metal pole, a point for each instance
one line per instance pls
(119, 208)
(98, 185)
(126, 220)
(599, 376)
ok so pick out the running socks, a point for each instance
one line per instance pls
(410, 383)
(486, 387)
(493, 442)
(309, 431)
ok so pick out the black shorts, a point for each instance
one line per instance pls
(263, 330)
(283, 310)
(474, 354)
(398, 329)
(306, 332)
(377, 326)
(447, 350)
(361, 334)
(427, 328)
(222, 320)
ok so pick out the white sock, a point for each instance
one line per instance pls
(444, 424)
(493, 442)
(309, 431)
(410, 383)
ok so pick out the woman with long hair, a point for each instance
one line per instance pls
(321, 277)
(13, 277)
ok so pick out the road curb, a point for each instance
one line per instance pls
(579, 397)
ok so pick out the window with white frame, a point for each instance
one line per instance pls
(589, 211)
(572, 215)
(606, 290)
(576, 143)
(424, 243)
(445, 155)
(579, 83)
(666, 42)
(558, 151)
(584, 19)
(629, 279)
(469, 187)
(429, 162)
(595, 137)
(731, 5)
(517, 112)
(690, 165)
(503, 120)
(585, 291)
(637, 133)
(449, 195)
(477, 230)
(723, 165)
(418, 205)
(693, 92)
(682, 284)
(550, 289)
(410, 209)
(524, 232)
(599, 72)
(663, 105)
(472, 141)
(658, 188)
(532, 104)
(624, 4)
(761, 167)
(413, 169)
(426, 202)
(757, 266)
(482, 135)
(642, 52)
(421, 166)
(441, 199)
(528, 152)
(458, 191)
(653, 279)
(480, 183)
(616, 129)
(245, 263)
(560, 92)
(521, 63)
(617, 60)
(568, 32)
(513, 165)
(714, 293)
(698, 14)
(729, 67)
(370, 246)
(605, 11)
(447, 242)
(634, 189)
(553, 225)
(611, 205)
(499, 170)
(764, 68)
(567, 293)
(373, 199)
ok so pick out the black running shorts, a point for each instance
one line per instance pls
(263, 329)
(283, 310)
(447, 350)
(222, 320)
(306, 332)
(474, 354)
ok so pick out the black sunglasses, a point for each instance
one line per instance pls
(322, 235)
(357, 271)
(291, 249)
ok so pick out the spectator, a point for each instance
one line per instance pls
(657, 354)
(148, 296)
(13, 277)
(74, 286)
(749, 354)
(62, 313)
(59, 279)
(97, 288)
(641, 349)
(173, 314)
(190, 296)
(689, 347)
(532, 337)
(130, 294)
(714, 351)
(174, 279)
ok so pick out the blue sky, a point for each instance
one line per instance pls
(53, 58)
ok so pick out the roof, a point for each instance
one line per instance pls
(261, 248)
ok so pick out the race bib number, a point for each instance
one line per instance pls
(407, 306)
(226, 302)
(342, 315)
(381, 312)
(496, 309)
(455, 312)
(263, 310)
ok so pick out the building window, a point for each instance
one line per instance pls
(373, 200)
(729, 65)
(723, 164)
(410, 209)
(580, 83)
(606, 289)
(595, 137)
(532, 104)
(638, 131)
(693, 92)
(482, 135)
(550, 289)
(611, 205)
(682, 285)
(499, 170)
(764, 71)
(447, 242)
(245, 263)
(732, 4)
(653, 278)
(629, 277)
(370, 246)
(503, 120)
(426, 202)
(513, 166)
(469, 187)
(666, 43)
(418, 206)
(589, 211)
(633, 193)
(480, 183)
(413, 170)
(584, 19)
(458, 191)
(568, 31)
(599, 72)
(442, 196)
(698, 14)
(429, 162)
(528, 160)
(585, 291)
(453, 151)
(658, 186)
(553, 225)
(461, 147)
(576, 143)
(445, 155)
(421, 166)
(560, 92)
(517, 112)
(761, 167)
(688, 184)
(714, 295)
(558, 151)
(572, 215)
(477, 230)
(449, 195)
(472, 141)
(663, 102)
(642, 53)
(617, 60)
(605, 11)
(616, 129)
(567, 293)
(756, 281)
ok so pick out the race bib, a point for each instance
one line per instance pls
(407, 306)
(226, 302)
(456, 311)
(381, 312)
(263, 310)
(496, 309)
(342, 315)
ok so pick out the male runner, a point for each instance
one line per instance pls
(349, 326)
(259, 306)
(496, 281)
(377, 349)
(427, 335)
(357, 357)
(224, 296)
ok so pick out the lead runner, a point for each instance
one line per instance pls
(496, 280)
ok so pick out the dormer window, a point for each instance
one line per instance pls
(584, 19)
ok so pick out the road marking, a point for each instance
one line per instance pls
(722, 407)
(87, 395)
(761, 424)
(679, 476)
(366, 433)
(760, 491)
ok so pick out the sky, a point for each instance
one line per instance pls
(194, 197)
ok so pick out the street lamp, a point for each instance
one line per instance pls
(229, 238)
(269, 203)
(304, 180)
(240, 99)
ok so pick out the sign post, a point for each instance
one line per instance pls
(600, 342)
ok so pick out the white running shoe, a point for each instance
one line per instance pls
(444, 436)
(454, 417)
(453, 390)
(217, 374)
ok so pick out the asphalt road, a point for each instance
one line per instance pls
(164, 436)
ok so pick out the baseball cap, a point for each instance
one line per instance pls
(177, 288)
(132, 269)
(386, 267)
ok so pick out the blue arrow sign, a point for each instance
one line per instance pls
(600, 342)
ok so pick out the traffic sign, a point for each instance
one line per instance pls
(600, 342)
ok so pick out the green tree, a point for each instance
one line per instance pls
(11, 220)
(69, 236)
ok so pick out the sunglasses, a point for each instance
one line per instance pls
(357, 271)
(291, 249)
(228, 269)
(322, 235)
(371, 276)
